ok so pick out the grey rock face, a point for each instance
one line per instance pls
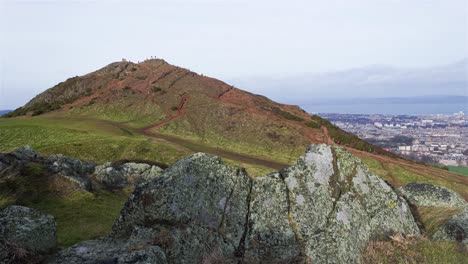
(72, 169)
(198, 206)
(323, 209)
(128, 173)
(28, 229)
(428, 195)
(423, 194)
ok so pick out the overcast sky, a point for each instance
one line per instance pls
(45, 42)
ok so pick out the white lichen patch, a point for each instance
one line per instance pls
(267, 203)
(222, 203)
(311, 187)
(384, 185)
(300, 200)
(360, 180)
(321, 159)
(291, 182)
(343, 215)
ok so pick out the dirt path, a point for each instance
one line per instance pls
(416, 168)
(180, 112)
(199, 147)
(327, 139)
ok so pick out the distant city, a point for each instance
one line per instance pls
(438, 139)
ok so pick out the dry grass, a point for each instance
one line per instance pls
(408, 250)
(434, 217)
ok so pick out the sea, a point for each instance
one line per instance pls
(387, 108)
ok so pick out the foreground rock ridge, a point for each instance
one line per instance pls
(325, 208)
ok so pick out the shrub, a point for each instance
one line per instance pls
(312, 124)
(285, 114)
(156, 89)
(174, 108)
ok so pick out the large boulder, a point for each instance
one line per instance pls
(197, 206)
(116, 177)
(323, 209)
(26, 229)
(436, 198)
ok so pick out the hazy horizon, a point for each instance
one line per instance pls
(310, 49)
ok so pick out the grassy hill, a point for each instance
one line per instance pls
(158, 98)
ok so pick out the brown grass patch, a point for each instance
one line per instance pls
(408, 250)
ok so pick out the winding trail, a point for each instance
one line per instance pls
(180, 113)
(149, 131)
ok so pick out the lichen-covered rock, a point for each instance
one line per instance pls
(440, 198)
(328, 206)
(199, 205)
(26, 153)
(423, 194)
(323, 209)
(456, 228)
(72, 169)
(28, 229)
(110, 251)
(115, 177)
(110, 176)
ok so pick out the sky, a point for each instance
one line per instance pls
(45, 42)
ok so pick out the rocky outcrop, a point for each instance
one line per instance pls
(323, 209)
(26, 153)
(440, 198)
(19, 162)
(72, 169)
(115, 177)
(26, 230)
